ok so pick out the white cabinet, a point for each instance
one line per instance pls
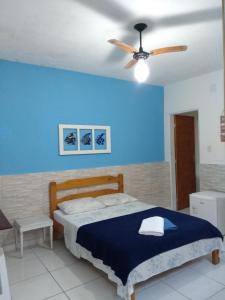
(209, 205)
(4, 283)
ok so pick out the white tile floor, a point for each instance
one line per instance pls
(57, 275)
(185, 210)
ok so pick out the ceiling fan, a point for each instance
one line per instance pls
(139, 56)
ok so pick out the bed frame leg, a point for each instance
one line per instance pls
(215, 257)
(56, 235)
(57, 230)
(133, 296)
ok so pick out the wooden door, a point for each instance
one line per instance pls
(184, 159)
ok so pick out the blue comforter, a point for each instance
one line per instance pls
(118, 244)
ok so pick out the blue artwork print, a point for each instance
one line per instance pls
(100, 139)
(85, 139)
(70, 139)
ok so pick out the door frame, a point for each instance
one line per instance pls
(172, 154)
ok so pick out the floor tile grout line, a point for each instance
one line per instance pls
(57, 283)
(205, 275)
(190, 298)
(32, 277)
(215, 294)
(199, 273)
(52, 296)
(177, 291)
(175, 271)
(49, 298)
(39, 258)
(66, 296)
(16, 263)
(18, 257)
(64, 291)
(223, 284)
(78, 286)
(61, 267)
(41, 262)
(92, 280)
(50, 273)
(150, 285)
(100, 276)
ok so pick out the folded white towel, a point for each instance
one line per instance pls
(152, 226)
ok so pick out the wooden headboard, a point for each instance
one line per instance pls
(79, 184)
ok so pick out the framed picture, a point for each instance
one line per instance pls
(84, 139)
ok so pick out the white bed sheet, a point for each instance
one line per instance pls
(147, 269)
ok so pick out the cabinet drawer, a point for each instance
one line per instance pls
(205, 209)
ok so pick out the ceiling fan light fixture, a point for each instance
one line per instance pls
(141, 71)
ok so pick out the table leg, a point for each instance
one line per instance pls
(21, 244)
(51, 237)
(44, 234)
(16, 241)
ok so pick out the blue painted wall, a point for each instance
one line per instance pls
(34, 100)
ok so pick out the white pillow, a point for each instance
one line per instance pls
(80, 205)
(115, 199)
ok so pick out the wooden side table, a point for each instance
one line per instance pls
(5, 228)
(4, 223)
(32, 223)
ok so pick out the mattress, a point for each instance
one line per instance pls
(145, 270)
(60, 217)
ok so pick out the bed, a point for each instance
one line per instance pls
(79, 229)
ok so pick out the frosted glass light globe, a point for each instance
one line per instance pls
(141, 71)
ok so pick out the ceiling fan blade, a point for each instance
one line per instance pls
(131, 63)
(168, 50)
(123, 46)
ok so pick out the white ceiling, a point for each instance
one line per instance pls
(73, 34)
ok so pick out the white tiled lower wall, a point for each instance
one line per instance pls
(27, 194)
(212, 177)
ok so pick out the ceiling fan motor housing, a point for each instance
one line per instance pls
(141, 55)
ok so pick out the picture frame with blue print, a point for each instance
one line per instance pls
(100, 137)
(84, 139)
(70, 142)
